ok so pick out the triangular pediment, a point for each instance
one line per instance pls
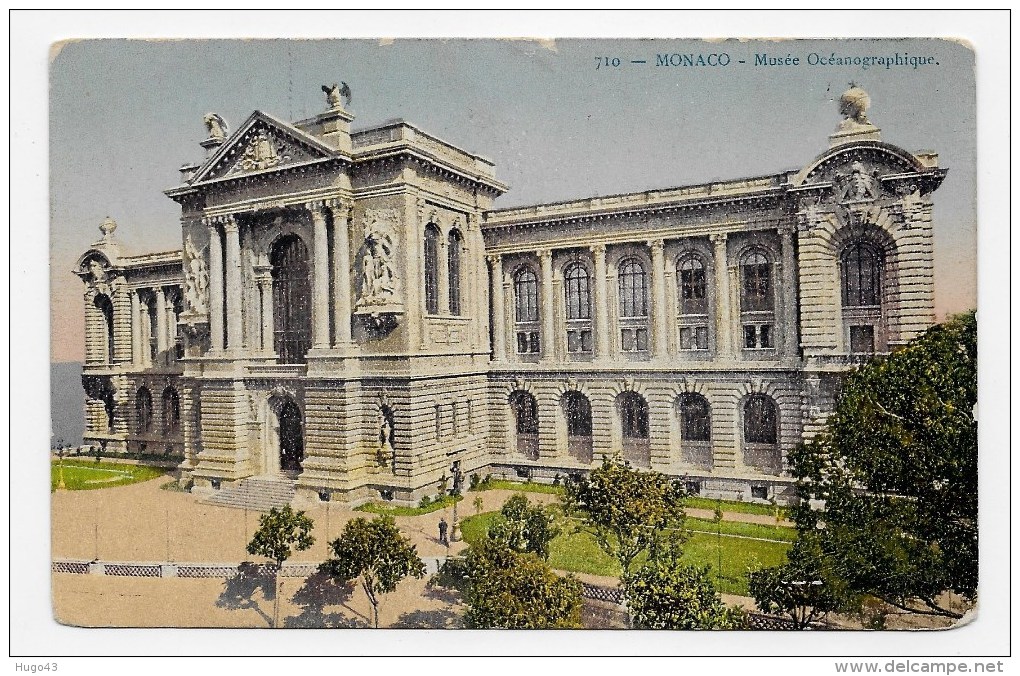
(262, 143)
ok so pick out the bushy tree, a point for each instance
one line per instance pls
(280, 531)
(510, 590)
(628, 511)
(377, 553)
(805, 588)
(666, 593)
(524, 527)
(897, 470)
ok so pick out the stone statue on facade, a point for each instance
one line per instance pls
(378, 276)
(386, 455)
(337, 95)
(196, 279)
(853, 106)
(217, 126)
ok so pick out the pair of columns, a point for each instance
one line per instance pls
(226, 290)
(166, 324)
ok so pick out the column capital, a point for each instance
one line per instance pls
(598, 249)
(544, 255)
(656, 245)
(786, 230)
(229, 223)
(718, 238)
(494, 260)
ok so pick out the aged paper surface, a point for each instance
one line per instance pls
(355, 274)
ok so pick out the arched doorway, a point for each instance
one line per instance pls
(633, 412)
(525, 414)
(292, 445)
(292, 292)
(578, 413)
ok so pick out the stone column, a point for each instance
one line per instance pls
(546, 311)
(216, 291)
(659, 314)
(723, 321)
(145, 325)
(498, 309)
(341, 274)
(600, 307)
(136, 328)
(320, 278)
(789, 298)
(235, 328)
(264, 278)
(444, 274)
(161, 324)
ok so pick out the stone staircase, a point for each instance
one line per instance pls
(257, 493)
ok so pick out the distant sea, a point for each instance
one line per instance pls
(67, 405)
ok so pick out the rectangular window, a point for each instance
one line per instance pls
(765, 335)
(750, 336)
(862, 339)
(528, 342)
(627, 340)
(587, 344)
(701, 335)
(760, 492)
(579, 340)
(694, 338)
(439, 421)
(758, 336)
(453, 418)
(534, 343)
(642, 340)
(634, 340)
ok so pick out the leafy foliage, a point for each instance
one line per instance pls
(897, 470)
(805, 588)
(666, 593)
(628, 511)
(524, 528)
(376, 552)
(510, 590)
(279, 531)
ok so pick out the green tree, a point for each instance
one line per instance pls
(666, 593)
(524, 527)
(511, 590)
(805, 588)
(897, 470)
(279, 531)
(626, 510)
(376, 552)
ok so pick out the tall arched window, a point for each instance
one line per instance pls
(171, 412)
(453, 252)
(526, 311)
(525, 411)
(690, 275)
(633, 295)
(578, 413)
(143, 410)
(431, 269)
(757, 300)
(105, 306)
(292, 292)
(633, 411)
(695, 418)
(633, 289)
(577, 292)
(861, 268)
(760, 420)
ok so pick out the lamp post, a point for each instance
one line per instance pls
(454, 492)
(60, 482)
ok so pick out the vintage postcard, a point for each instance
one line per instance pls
(578, 334)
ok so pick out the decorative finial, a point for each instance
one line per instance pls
(107, 227)
(338, 96)
(854, 104)
(217, 127)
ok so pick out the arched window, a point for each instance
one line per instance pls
(143, 410)
(695, 418)
(578, 291)
(756, 287)
(760, 420)
(633, 416)
(171, 412)
(103, 303)
(690, 275)
(526, 295)
(525, 410)
(292, 292)
(633, 289)
(431, 269)
(453, 246)
(578, 415)
(861, 272)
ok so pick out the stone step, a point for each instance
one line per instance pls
(255, 493)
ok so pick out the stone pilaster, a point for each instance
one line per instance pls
(498, 309)
(161, 324)
(659, 313)
(600, 308)
(547, 314)
(136, 328)
(235, 327)
(723, 318)
(216, 291)
(341, 274)
(788, 294)
(264, 279)
(320, 277)
(443, 263)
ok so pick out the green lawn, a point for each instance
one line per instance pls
(87, 475)
(749, 530)
(732, 506)
(578, 552)
(519, 487)
(397, 510)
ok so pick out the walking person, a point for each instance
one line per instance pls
(443, 530)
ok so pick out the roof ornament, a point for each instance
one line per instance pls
(338, 96)
(107, 227)
(217, 126)
(853, 106)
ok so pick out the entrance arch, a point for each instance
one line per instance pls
(285, 449)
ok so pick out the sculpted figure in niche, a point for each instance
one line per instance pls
(196, 279)
(386, 455)
(97, 270)
(378, 278)
(217, 126)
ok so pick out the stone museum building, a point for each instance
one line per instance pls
(349, 318)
